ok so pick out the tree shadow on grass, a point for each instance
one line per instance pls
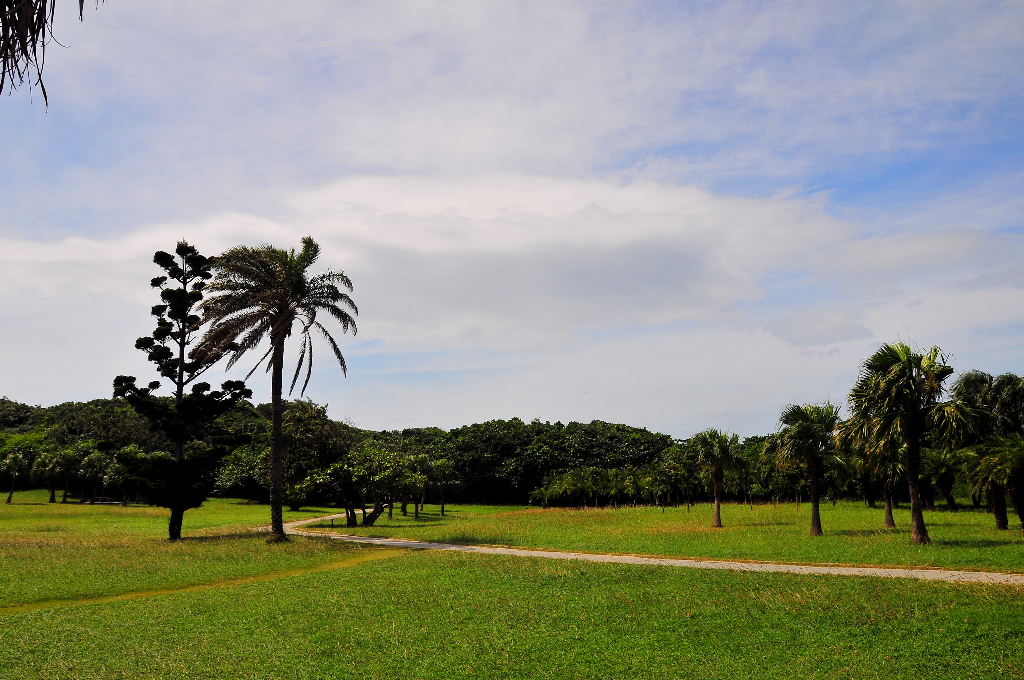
(868, 532)
(478, 539)
(209, 538)
(424, 520)
(973, 543)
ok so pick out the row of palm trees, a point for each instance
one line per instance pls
(896, 411)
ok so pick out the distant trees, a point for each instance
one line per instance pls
(183, 478)
(807, 438)
(260, 294)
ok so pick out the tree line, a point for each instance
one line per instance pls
(105, 448)
(909, 437)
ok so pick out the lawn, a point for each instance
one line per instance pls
(853, 533)
(232, 606)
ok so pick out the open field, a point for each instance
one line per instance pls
(232, 606)
(853, 534)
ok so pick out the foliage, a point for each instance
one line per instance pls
(26, 28)
(15, 415)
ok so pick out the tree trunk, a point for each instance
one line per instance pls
(174, 526)
(1017, 496)
(815, 498)
(10, 496)
(53, 493)
(998, 500)
(391, 510)
(918, 530)
(442, 502)
(717, 523)
(951, 503)
(416, 509)
(890, 523)
(405, 507)
(370, 518)
(276, 457)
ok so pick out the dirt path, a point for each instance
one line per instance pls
(947, 575)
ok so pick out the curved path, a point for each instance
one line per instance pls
(948, 575)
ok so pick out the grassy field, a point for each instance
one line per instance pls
(231, 606)
(853, 533)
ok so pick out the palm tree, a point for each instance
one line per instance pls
(716, 452)
(807, 437)
(1000, 465)
(896, 402)
(260, 294)
(992, 457)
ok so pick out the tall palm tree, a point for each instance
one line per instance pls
(717, 452)
(896, 402)
(807, 437)
(260, 294)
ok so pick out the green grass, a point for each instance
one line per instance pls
(69, 551)
(310, 609)
(853, 534)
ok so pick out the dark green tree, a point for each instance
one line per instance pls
(184, 477)
(258, 295)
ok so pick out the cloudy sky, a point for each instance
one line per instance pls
(669, 214)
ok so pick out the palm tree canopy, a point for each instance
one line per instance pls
(807, 432)
(896, 398)
(717, 449)
(261, 292)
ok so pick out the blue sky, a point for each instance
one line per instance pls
(675, 215)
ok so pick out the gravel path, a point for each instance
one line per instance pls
(948, 575)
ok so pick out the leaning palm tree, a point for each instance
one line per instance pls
(807, 437)
(716, 452)
(896, 401)
(261, 294)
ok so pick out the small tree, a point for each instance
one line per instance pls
(716, 452)
(14, 463)
(183, 478)
(806, 438)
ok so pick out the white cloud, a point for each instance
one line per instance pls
(527, 195)
(536, 296)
